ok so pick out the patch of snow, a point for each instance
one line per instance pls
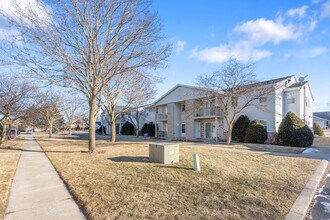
(310, 150)
(326, 206)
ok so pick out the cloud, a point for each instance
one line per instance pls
(325, 10)
(308, 53)
(222, 53)
(317, 51)
(180, 45)
(253, 35)
(262, 31)
(297, 12)
(27, 7)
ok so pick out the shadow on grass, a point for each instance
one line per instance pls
(130, 159)
(46, 151)
(175, 167)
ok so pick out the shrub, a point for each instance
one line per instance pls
(149, 129)
(239, 128)
(294, 132)
(127, 129)
(317, 129)
(256, 133)
(144, 128)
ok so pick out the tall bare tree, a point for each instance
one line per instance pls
(232, 89)
(14, 99)
(84, 44)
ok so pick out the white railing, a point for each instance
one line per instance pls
(209, 112)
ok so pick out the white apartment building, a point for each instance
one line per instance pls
(178, 118)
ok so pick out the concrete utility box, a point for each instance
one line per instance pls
(164, 153)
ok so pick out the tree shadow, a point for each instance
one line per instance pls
(175, 167)
(135, 159)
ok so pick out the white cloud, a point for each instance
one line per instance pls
(222, 53)
(9, 8)
(297, 12)
(263, 31)
(317, 51)
(325, 10)
(180, 45)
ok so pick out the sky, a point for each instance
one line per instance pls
(282, 37)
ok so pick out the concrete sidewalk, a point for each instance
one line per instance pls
(37, 191)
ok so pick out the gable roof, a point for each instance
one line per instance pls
(174, 88)
(298, 84)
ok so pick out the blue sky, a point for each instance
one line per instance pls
(282, 37)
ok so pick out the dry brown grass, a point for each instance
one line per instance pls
(12, 146)
(8, 163)
(117, 184)
(252, 147)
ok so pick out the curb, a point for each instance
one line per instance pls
(301, 205)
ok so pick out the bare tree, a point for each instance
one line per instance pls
(14, 99)
(232, 89)
(70, 109)
(49, 109)
(125, 95)
(144, 92)
(84, 44)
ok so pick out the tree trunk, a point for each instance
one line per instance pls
(70, 128)
(92, 121)
(51, 129)
(113, 132)
(137, 122)
(8, 133)
(3, 134)
(229, 135)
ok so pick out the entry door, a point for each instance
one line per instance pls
(209, 130)
(183, 130)
(198, 130)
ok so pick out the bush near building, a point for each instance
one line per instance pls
(317, 129)
(127, 129)
(148, 128)
(294, 132)
(239, 128)
(256, 133)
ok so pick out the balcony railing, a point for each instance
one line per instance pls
(209, 112)
(161, 116)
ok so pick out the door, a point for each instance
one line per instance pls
(183, 130)
(209, 130)
(198, 130)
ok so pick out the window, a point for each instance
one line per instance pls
(183, 107)
(263, 99)
(264, 123)
(291, 101)
(183, 128)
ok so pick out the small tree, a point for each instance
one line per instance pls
(239, 128)
(49, 109)
(70, 109)
(127, 129)
(15, 96)
(317, 129)
(294, 132)
(256, 133)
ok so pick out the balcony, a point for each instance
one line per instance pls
(161, 117)
(208, 113)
